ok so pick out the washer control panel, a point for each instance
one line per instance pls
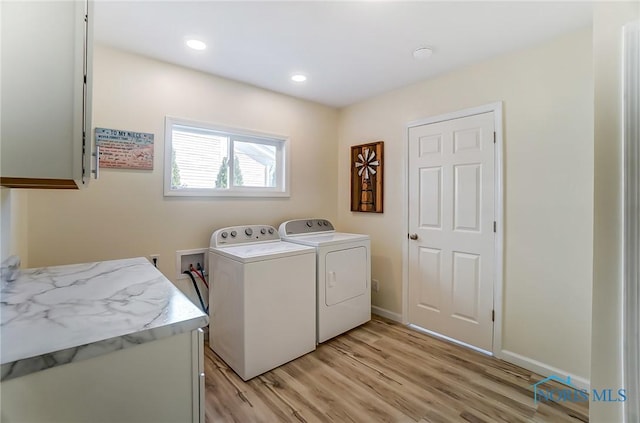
(234, 235)
(306, 226)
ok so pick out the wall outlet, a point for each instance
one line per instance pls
(154, 259)
(375, 285)
(186, 258)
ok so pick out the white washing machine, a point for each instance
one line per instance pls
(262, 299)
(343, 274)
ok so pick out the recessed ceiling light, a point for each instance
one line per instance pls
(422, 53)
(298, 78)
(196, 44)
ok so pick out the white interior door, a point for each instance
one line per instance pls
(451, 227)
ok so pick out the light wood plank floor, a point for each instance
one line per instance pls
(383, 372)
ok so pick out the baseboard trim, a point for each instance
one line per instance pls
(543, 369)
(383, 312)
(448, 339)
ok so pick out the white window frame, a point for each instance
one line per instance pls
(282, 161)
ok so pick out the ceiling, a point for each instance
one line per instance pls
(349, 50)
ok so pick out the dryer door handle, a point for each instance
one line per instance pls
(332, 279)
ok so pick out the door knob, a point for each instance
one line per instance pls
(413, 236)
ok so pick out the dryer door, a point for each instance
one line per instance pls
(345, 274)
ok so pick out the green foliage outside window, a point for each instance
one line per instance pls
(222, 178)
(175, 171)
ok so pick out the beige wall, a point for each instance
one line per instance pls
(548, 110)
(124, 213)
(606, 365)
(548, 113)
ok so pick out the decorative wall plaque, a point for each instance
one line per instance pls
(125, 149)
(366, 177)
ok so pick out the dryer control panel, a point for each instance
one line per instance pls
(235, 235)
(306, 226)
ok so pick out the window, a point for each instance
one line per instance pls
(206, 160)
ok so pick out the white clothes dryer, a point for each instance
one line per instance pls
(262, 299)
(343, 274)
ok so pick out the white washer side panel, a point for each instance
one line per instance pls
(226, 310)
(350, 313)
(280, 298)
(345, 274)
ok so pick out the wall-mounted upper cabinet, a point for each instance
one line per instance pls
(46, 94)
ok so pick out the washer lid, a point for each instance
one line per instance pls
(260, 251)
(329, 238)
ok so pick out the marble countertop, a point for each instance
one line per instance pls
(56, 315)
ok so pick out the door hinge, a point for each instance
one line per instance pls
(493, 315)
(494, 137)
(494, 226)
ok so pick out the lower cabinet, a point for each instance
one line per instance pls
(158, 381)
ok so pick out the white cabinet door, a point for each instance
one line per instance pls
(197, 363)
(149, 383)
(46, 55)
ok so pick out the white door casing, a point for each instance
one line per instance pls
(631, 229)
(451, 200)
